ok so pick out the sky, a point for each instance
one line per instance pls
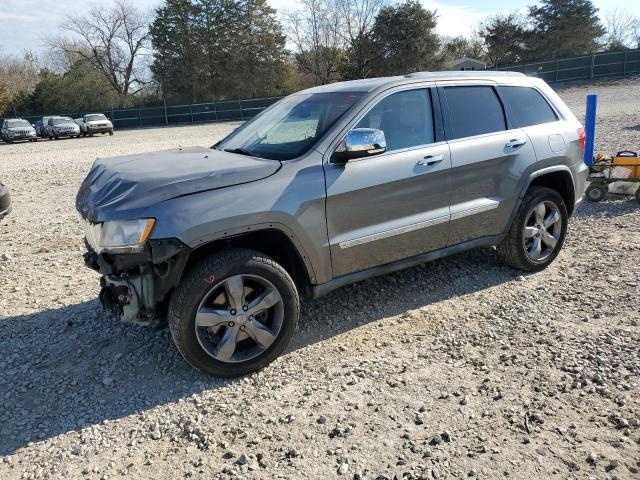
(25, 23)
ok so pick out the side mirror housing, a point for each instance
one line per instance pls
(358, 143)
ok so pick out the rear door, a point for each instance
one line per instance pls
(487, 159)
(394, 205)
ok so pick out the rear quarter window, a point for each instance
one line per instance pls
(527, 106)
(474, 110)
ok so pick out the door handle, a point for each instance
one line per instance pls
(516, 142)
(431, 160)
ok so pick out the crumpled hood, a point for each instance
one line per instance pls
(117, 185)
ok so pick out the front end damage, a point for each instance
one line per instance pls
(136, 286)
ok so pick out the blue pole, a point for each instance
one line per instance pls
(590, 127)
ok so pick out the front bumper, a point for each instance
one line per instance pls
(106, 129)
(22, 136)
(136, 287)
(66, 133)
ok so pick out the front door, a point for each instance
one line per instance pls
(394, 205)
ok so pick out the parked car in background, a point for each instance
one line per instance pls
(327, 187)
(41, 125)
(5, 201)
(14, 129)
(93, 123)
(58, 127)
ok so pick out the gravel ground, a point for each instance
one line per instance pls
(459, 368)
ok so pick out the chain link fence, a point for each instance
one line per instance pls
(586, 67)
(164, 115)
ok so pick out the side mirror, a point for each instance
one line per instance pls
(358, 143)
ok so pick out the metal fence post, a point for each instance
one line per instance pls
(593, 62)
(556, 69)
(624, 64)
(241, 112)
(166, 117)
(191, 112)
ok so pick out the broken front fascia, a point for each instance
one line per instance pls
(136, 286)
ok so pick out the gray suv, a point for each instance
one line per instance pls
(329, 186)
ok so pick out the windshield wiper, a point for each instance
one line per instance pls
(241, 151)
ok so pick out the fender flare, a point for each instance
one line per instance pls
(257, 227)
(532, 176)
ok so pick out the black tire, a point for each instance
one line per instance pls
(90, 133)
(638, 194)
(202, 279)
(111, 133)
(513, 248)
(595, 193)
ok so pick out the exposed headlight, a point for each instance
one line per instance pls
(119, 236)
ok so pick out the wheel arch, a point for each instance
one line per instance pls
(558, 178)
(274, 242)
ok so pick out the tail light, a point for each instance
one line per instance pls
(582, 135)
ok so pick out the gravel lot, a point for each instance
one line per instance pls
(459, 368)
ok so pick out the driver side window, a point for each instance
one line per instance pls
(406, 118)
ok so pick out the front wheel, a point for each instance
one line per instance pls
(233, 313)
(537, 231)
(111, 133)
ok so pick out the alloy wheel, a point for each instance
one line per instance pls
(542, 231)
(239, 318)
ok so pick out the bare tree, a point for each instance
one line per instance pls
(113, 40)
(315, 31)
(622, 28)
(358, 19)
(18, 77)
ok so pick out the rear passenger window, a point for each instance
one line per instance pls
(474, 110)
(527, 106)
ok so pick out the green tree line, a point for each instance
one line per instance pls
(207, 50)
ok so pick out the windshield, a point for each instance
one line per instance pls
(62, 120)
(290, 127)
(17, 123)
(97, 116)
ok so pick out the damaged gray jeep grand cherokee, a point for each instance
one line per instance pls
(327, 187)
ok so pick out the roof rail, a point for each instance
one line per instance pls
(464, 73)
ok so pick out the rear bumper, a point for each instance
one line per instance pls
(136, 287)
(580, 173)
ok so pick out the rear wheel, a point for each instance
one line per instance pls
(595, 193)
(537, 231)
(233, 313)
